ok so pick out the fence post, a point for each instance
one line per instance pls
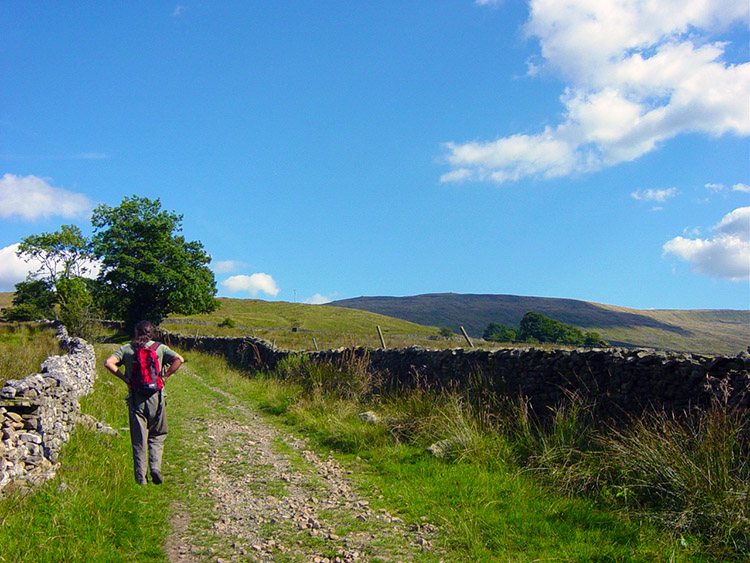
(380, 334)
(315, 344)
(466, 336)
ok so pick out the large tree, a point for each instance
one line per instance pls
(148, 270)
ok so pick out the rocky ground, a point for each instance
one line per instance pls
(272, 498)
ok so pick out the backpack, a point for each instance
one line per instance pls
(145, 376)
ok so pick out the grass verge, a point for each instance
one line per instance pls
(488, 507)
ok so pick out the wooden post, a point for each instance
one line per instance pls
(315, 344)
(380, 334)
(466, 336)
(273, 344)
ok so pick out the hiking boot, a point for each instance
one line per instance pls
(156, 478)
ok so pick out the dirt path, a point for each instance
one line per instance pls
(274, 499)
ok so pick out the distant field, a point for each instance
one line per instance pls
(6, 298)
(294, 325)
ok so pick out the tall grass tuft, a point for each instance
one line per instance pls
(692, 473)
(23, 347)
(348, 378)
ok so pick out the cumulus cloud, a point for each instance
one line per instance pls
(317, 299)
(30, 198)
(725, 254)
(741, 188)
(226, 266)
(654, 195)
(637, 73)
(251, 284)
(12, 268)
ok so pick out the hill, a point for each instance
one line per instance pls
(706, 331)
(257, 313)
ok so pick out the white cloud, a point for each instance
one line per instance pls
(741, 188)
(252, 284)
(726, 254)
(178, 11)
(30, 197)
(317, 299)
(654, 195)
(715, 187)
(638, 73)
(12, 268)
(226, 266)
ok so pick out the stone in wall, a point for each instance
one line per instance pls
(621, 381)
(38, 412)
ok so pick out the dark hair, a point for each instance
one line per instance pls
(143, 332)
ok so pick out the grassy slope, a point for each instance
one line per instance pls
(256, 313)
(707, 331)
(6, 298)
(710, 331)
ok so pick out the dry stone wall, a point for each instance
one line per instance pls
(622, 381)
(38, 413)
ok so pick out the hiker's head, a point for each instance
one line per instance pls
(143, 331)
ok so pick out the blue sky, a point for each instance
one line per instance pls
(592, 149)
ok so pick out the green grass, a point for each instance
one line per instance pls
(511, 489)
(295, 325)
(23, 347)
(489, 508)
(92, 510)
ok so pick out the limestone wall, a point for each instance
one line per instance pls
(38, 412)
(622, 381)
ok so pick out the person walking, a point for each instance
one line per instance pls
(147, 409)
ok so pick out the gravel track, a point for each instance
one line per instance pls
(274, 499)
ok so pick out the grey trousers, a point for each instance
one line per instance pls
(148, 430)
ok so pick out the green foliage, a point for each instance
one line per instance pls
(24, 312)
(33, 300)
(445, 332)
(77, 308)
(63, 254)
(65, 257)
(593, 339)
(227, 323)
(148, 270)
(538, 328)
(498, 333)
(37, 293)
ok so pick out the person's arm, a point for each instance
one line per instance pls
(112, 364)
(177, 361)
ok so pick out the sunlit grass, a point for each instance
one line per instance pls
(23, 347)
